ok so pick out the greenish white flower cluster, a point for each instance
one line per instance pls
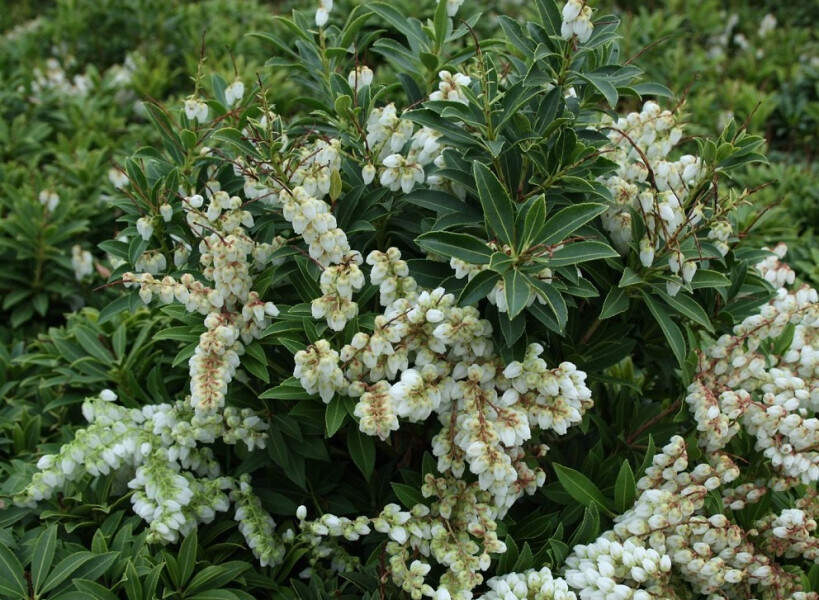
(176, 481)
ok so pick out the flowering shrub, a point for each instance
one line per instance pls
(407, 303)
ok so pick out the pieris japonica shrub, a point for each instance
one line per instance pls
(457, 264)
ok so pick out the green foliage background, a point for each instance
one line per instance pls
(56, 345)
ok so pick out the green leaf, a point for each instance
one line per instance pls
(462, 246)
(133, 589)
(65, 568)
(362, 451)
(219, 594)
(215, 576)
(686, 306)
(580, 487)
(11, 574)
(407, 494)
(441, 23)
(517, 292)
(566, 221)
(186, 559)
(589, 527)
(616, 302)
(603, 85)
(498, 208)
(93, 590)
(579, 252)
(553, 298)
(704, 278)
(42, 556)
(533, 222)
(334, 416)
(478, 287)
(670, 329)
(624, 488)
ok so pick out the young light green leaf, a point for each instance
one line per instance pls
(498, 208)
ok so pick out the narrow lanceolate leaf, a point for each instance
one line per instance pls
(579, 252)
(517, 292)
(187, 557)
(616, 302)
(463, 246)
(688, 307)
(669, 328)
(533, 222)
(554, 299)
(568, 220)
(624, 488)
(11, 575)
(334, 416)
(66, 568)
(362, 451)
(580, 487)
(498, 208)
(43, 556)
(478, 287)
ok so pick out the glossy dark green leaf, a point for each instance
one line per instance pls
(498, 208)
(462, 246)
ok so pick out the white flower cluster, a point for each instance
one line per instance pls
(529, 585)
(391, 274)
(449, 87)
(256, 524)
(667, 539)
(776, 272)
(388, 134)
(577, 21)
(647, 184)
(49, 198)
(745, 381)
(311, 218)
(234, 313)
(360, 77)
(176, 484)
(196, 109)
(338, 282)
(452, 6)
(426, 355)
(82, 262)
(323, 12)
(458, 529)
(54, 79)
(318, 371)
